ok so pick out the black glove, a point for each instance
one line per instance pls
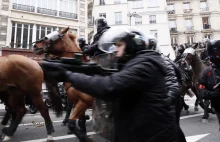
(54, 72)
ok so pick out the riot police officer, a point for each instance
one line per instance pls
(82, 44)
(209, 84)
(102, 27)
(143, 110)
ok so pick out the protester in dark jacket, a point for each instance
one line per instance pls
(173, 81)
(143, 112)
(102, 27)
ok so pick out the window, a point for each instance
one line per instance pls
(172, 25)
(21, 36)
(170, 7)
(190, 39)
(25, 2)
(42, 31)
(138, 20)
(152, 19)
(117, 1)
(118, 18)
(186, 6)
(205, 21)
(203, 6)
(101, 2)
(102, 15)
(154, 33)
(153, 3)
(69, 6)
(137, 4)
(189, 24)
(48, 4)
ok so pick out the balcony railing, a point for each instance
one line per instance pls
(189, 28)
(46, 11)
(204, 9)
(206, 26)
(67, 15)
(173, 29)
(153, 22)
(187, 10)
(23, 7)
(171, 12)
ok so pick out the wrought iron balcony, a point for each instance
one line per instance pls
(67, 15)
(204, 9)
(153, 22)
(187, 11)
(173, 30)
(206, 26)
(46, 11)
(171, 12)
(23, 7)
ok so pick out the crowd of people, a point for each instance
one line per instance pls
(144, 94)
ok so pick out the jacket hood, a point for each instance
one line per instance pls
(149, 55)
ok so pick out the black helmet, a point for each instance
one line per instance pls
(132, 36)
(100, 23)
(180, 48)
(213, 48)
(151, 42)
(81, 42)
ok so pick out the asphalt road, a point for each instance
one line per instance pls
(30, 130)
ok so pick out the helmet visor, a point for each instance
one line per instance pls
(114, 35)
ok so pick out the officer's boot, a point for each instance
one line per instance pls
(82, 125)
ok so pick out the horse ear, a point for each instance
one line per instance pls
(196, 45)
(65, 30)
(168, 55)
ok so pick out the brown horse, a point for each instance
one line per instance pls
(21, 78)
(63, 44)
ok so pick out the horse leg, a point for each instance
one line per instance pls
(17, 103)
(68, 111)
(39, 104)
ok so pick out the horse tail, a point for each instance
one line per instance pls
(54, 95)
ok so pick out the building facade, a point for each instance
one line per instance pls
(192, 20)
(149, 15)
(25, 21)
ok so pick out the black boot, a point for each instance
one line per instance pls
(82, 125)
(72, 127)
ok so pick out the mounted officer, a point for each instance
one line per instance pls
(210, 81)
(102, 27)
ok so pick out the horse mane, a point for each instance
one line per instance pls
(70, 40)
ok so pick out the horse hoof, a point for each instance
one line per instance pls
(205, 121)
(50, 140)
(6, 138)
(196, 109)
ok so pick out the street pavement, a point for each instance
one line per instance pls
(32, 129)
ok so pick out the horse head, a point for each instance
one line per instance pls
(58, 43)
